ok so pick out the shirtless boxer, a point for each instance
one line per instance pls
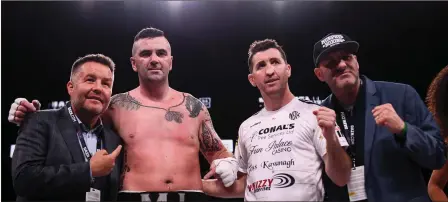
(282, 148)
(163, 129)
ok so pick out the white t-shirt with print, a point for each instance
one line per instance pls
(282, 154)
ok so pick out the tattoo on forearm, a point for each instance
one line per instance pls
(124, 100)
(209, 142)
(194, 106)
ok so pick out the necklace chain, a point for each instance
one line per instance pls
(132, 99)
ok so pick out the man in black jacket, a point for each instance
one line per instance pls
(391, 133)
(68, 154)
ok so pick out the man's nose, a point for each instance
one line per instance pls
(97, 87)
(270, 69)
(154, 62)
(154, 59)
(341, 65)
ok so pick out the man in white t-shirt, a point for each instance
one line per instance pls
(282, 149)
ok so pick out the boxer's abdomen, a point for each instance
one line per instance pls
(162, 167)
(161, 155)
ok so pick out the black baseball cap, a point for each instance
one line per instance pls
(333, 42)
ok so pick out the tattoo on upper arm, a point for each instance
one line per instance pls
(125, 101)
(194, 106)
(208, 118)
(210, 143)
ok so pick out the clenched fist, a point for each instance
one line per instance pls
(20, 108)
(386, 116)
(101, 163)
(226, 169)
(326, 119)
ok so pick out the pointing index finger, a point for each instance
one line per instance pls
(116, 152)
(210, 174)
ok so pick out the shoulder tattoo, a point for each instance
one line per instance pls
(124, 100)
(194, 106)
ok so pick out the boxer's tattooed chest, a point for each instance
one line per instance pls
(192, 105)
(174, 116)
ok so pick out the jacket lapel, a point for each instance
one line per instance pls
(68, 132)
(110, 144)
(327, 102)
(372, 100)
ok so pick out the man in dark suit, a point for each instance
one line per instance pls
(67, 154)
(391, 133)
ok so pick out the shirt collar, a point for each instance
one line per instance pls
(97, 129)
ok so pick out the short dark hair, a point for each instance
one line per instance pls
(147, 33)
(150, 32)
(263, 45)
(437, 100)
(98, 58)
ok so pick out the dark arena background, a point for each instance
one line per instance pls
(399, 41)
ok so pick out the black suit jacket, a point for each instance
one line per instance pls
(48, 163)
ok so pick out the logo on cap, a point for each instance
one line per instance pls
(332, 40)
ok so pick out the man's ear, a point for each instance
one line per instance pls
(319, 74)
(288, 70)
(70, 87)
(251, 79)
(171, 66)
(134, 67)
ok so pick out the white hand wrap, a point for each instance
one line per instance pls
(227, 169)
(12, 111)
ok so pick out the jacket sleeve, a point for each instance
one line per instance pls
(422, 141)
(31, 176)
